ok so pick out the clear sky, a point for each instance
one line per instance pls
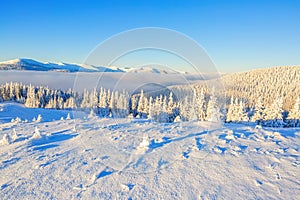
(238, 35)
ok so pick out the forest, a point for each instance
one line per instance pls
(200, 105)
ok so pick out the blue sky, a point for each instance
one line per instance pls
(238, 35)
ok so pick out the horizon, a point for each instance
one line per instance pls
(238, 36)
(145, 66)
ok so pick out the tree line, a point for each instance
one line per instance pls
(200, 105)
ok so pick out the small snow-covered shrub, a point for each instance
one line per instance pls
(37, 133)
(145, 143)
(6, 139)
(15, 135)
(39, 118)
(177, 119)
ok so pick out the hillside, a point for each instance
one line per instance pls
(268, 83)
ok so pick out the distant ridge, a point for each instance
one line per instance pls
(33, 65)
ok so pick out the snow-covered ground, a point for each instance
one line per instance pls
(104, 158)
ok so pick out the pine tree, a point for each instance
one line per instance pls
(259, 112)
(93, 99)
(163, 115)
(31, 100)
(141, 105)
(294, 115)
(193, 107)
(112, 105)
(85, 100)
(273, 114)
(231, 110)
(103, 103)
(134, 104)
(70, 103)
(213, 111)
(200, 105)
(151, 108)
(184, 109)
(242, 115)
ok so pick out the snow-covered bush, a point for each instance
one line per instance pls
(15, 135)
(37, 133)
(6, 139)
(39, 118)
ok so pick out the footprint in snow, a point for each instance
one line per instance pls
(258, 183)
(106, 172)
(127, 187)
(79, 187)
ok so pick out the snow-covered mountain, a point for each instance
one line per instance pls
(32, 65)
(155, 70)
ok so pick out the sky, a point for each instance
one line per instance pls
(237, 35)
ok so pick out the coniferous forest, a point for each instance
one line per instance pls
(198, 104)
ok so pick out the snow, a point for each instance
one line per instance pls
(106, 158)
(33, 65)
(149, 69)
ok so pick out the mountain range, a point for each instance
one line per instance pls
(33, 65)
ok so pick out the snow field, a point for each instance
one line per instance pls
(105, 158)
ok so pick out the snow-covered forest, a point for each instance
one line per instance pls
(200, 105)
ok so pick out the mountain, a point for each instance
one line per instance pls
(32, 65)
(153, 69)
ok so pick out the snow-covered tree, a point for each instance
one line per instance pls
(163, 115)
(273, 114)
(70, 103)
(142, 107)
(201, 105)
(213, 110)
(184, 109)
(258, 112)
(103, 103)
(231, 111)
(294, 115)
(85, 100)
(151, 108)
(242, 115)
(31, 100)
(134, 104)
